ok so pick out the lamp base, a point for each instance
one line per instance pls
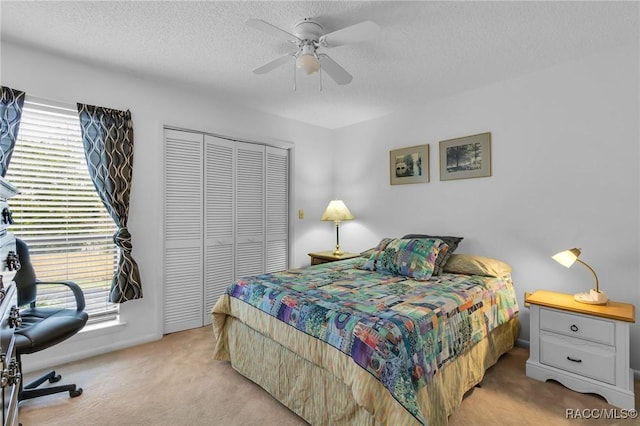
(338, 252)
(592, 298)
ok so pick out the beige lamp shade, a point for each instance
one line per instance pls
(337, 211)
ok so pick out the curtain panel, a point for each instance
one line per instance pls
(11, 103)
(107, 136)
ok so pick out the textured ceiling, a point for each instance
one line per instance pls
(425, 50)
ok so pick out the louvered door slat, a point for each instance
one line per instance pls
(183, 289)
(250, 191)
(249, 259)
(218, 193)
(277, 255)
(218, 275)
(183, 186)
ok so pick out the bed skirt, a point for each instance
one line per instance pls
(325, 387)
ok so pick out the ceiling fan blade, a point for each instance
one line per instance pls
(354, 34)
(335, 71)
(261, 25)
(269, 66)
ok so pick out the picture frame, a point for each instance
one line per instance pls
(409, 165)
(466, 157)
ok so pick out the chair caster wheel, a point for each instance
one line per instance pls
(74, 393)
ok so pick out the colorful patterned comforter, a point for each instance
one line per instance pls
(400, 330)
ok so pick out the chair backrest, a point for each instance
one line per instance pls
(25, 277)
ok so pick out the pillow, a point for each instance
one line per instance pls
(470, 264)
(368, 253)
(451, 242)
(380, 246)
(410, 257)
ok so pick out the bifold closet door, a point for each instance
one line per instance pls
(225, 217)
(277, 211)
(250, 209)
(219, 223)
(183, 207)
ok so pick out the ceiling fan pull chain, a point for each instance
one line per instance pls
(294, 76)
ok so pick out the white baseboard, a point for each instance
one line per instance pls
(83, 345)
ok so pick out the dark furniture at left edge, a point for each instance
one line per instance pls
(10, 376)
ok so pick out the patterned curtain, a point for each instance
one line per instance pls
(107, 135)
(10, 111)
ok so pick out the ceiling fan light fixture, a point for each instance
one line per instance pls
(308, 63)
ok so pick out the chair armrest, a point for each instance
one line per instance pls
(75, 288)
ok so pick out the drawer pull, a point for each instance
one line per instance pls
(14, 372)
(574, 360)
(574, 327)
(7, 217)
(13, 261)
(10, 373)
(4, 371)
(14, 319)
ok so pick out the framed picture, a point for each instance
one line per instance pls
(467, 157)
(409, 165)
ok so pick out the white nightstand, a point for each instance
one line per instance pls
(584, 347)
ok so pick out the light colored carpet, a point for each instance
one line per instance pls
(175, 381)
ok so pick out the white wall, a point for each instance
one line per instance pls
(152, 106)
(565, 173)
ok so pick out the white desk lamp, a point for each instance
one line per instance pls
(595, 296)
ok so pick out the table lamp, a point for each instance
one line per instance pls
(595, 296)
(337, 211)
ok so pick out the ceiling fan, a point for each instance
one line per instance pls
(309, 37)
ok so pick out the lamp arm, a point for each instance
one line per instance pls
(592, 271)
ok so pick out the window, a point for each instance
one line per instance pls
(58, 212)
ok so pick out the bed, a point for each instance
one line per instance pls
(396, 336)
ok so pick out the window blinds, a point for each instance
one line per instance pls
(58, 212)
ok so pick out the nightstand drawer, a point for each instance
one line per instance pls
(582, 327)
(578, 356)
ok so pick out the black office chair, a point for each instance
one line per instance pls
(43, 327)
